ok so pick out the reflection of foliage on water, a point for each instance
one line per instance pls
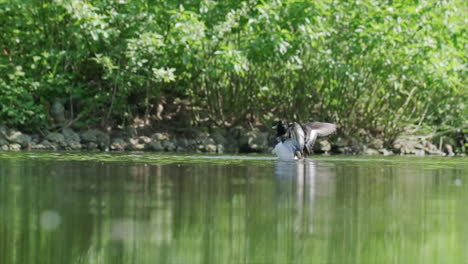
(322, 211)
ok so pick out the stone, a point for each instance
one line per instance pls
(4, 148)
(72, 139)
(74, 145)
(385, 152)
(181, 149)
(182, 143)
(92, 146)
(137, 146)
(420, 152)
(155, 146)
(133, 141)
(159, 136)
(45, 145)
(17, 137)
(168, 145)
(207, 141)
(3, 141)
(15, 147)
(69, 134)
(448, 149)
(376, 143)
(3, 131)
(344, 150)
(35, 139)
(322, 145)
(57, 138)
(144, 140)
(220, 149)
(370, 151)
(98, 138)
(210, 148)
(219, 137)
(118, 144)
(254, 141)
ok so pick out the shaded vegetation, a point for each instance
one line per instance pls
(371, 67)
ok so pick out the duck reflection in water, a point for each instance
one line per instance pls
(296, 185)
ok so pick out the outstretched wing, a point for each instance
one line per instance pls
(297, 135)
(316, 129)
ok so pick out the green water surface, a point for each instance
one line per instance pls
(168, 209)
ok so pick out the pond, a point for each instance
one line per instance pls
(153, 208)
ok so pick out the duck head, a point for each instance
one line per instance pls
(281, 127)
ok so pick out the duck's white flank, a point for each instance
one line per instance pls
(285, 150)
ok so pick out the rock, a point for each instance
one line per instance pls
(210, 148)
(376, 143)
(133, 141)
(3, 131)
(17, 137)
(159, 136)
(385, 152)
(155, 146)
(192, 144)
(138, 147)
(448, 149)
(420, 152)
(144, 140)
(3, 136)
(3, 141)
(168, 145)
(4, 148)
(57, 138)
(254, 141)
(35, 139)
(432, 149)
(72, 139)
(45, 145)
(181, 149)
(207, 141)
(356, 146)
(322, 146)
(370, 152)
(98, 138)
(134, 144)
(219, 137)
(92, 146)
(405, 146)
(220, 149)
(118, 144)
(15, 147)
(182, 143)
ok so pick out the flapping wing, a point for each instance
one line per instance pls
(296, 134)
(322, 129)
(313, 130)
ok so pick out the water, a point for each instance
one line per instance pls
(147, 208)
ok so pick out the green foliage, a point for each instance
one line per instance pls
(362, 64)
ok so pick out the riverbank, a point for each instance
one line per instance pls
(232, 140)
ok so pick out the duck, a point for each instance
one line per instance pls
(296, 141)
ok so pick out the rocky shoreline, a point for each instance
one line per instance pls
(220, 141)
